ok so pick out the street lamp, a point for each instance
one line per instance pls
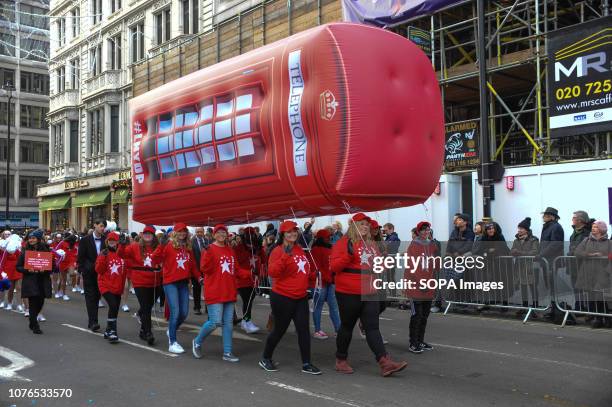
(8, 87)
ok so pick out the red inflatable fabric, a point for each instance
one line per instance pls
(339, 113)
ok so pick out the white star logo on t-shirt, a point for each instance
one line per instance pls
(148, 262)
(180, 261)
(253, 262)
(301, 265)
(365, 257)
(225, 266)
(115, 268)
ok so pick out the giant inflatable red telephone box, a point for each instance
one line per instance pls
(341, 113)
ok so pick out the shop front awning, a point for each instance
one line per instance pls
(91, 198)
(53, 203)
(120, 196)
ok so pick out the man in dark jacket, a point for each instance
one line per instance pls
(392, 244)
(551, 240)
(199, 243)
(89, 249)
(581, 223)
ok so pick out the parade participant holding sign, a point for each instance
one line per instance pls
(111, 280)
(248, 255)
(221, 270)
(146, 278)
(178, 266)
(290, 269)
(351, 260)
(36, 264)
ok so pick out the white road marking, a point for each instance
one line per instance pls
(385, 319)
(531, 358)
(311, 394)
(218, 332)
(18, 362)
(137, 345)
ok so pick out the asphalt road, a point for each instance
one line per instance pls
(477, 361)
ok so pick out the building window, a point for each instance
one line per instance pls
(96, 132)
(220, 130)
(95, 60)
(7, 76)
(61, 79)
(74, 141)
(114, 48)
(33, 16)
(162, 26)
(32, 82)
(4, 114)
(7, 44)
(137, 42)
(58, 144)
(33, 117)
(4, 151)
(34, 152)
(3, 186)
(75, 15)
(96, 11)
(115, 5)
(74, 74)
(28, 186)
(34, 50)
(61, 30)
(114, 111)
(190, 16)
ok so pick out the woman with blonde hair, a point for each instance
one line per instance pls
(351, 260)
(178, 266)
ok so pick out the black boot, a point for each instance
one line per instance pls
(142, 335)
(150, 338)
(113, 337)
(35, 328)
(107, 332)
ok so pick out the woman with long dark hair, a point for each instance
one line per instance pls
(36, 284)
(351, 261)
(289, 267)
(146, 278)
(248, 255)
(320, 253)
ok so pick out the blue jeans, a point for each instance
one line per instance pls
(325, 294)
(177, 297)
(219, 315)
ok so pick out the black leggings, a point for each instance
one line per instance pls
(147, 296)
(248, 295)
(113, 301)
(418, 321)
(353, 308)
(285, 309)
(197, 294)
(35, 306)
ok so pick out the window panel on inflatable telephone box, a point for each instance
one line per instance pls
(339, 113)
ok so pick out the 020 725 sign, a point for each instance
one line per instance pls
(580, 79)
(461, 148)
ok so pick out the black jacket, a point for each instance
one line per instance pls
(551, 241)
(87, 254)
(34, 284)
(493, 245)
(577, 237)
(197, 250)
(460, 242)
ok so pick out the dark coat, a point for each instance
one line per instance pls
(87, 255)
(460, 242)
(34, 284)
(493, 245)
(392, 243)
(551, 241)
(197, 250)
(524, 273)
(529, 246)
(577, 237)
(594, 272)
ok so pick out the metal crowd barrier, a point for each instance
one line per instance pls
(583, 286)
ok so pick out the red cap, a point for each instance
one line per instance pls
(422, 225)
(149, 229)
(113, 236)
(287, 226)
(374, 224)
(323, 234)
(179, 226)
(360, 216)
(219, 227)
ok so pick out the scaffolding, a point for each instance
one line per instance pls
(516, 77)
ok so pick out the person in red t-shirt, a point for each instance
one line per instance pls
(221, 270)
(351, 261)
(112, 273)
(290, 269)
(67, 263)
(146, 278)
(320, 253)
(178, 266)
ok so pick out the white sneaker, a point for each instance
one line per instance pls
(176, 348)
(41, 318)
(244, 326)
(26, 313)
(9, 307)
(82, 291)
(75, 289)
(132, 291)
(125, 308)
(101, 304)
(58, 295)
(252, 328)
(65, 298)
(20, 308)
(2, 304)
